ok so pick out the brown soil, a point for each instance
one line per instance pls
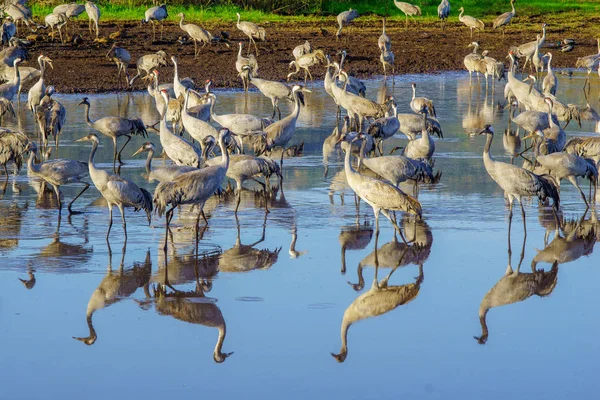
(424, 48)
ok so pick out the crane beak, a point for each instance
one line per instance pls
(141, 149)
(83, 139)
(305, 90)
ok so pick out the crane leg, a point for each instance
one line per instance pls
(387, 215)
(122, 147)
(162, 28)
(109, 220)
(57, 192)
(203, 215)
(195, 48)
(123, 219)
(87, 185)
(573, 180)
(168, 217)
(523, 215)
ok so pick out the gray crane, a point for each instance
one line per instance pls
(343, 19)
(56, 21)
(8, 31)
(417, 103)
(305, 62)
(360, 106)
(181, 86)
(562, 165)
(409, 10)
(70, 10)
(385, 127)
(472, 61)
(517, 182)
(443, 12)
(9, 89)
(38, 90)
(19, 13)
(423, 147)
(177, 148)
(116, 190)
(115, 127)
(279, 133)
(355, 86)
(174, 106)
(504, 19)
(550, 82)
(155, 15)
(197, 34)
(93, 12)
(149, 62)
(387, 60)
(57, 173)
(275, 91)
(471, 22)
(526, 50)
(51, 116)
(251, 30)
(193, 187)
(195, 127)
(166, 173)
(12, 148)
(587, 147)
(382, 196)
(241, 62)
(384, 42)
(589, 63)
(412, 124)
(240, 124)
(121, 58)
(302, 49)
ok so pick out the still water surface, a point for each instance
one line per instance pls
(274, 291)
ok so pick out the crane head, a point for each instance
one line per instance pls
(31, 146)
(84, 101)
(92, 137)
(487, 130)
(549, 101)
(145, 147)
(220, 357)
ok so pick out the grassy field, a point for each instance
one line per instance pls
(476, 8)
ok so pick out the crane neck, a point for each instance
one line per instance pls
(218, 353)
(344, 336)
(347, 163)
(543, 38)
(461, 13)
(17, 78)
(598, 45)
(512, 5)
(91, 339)
(238, 19)
(550, 63)
(239, 49)
(414, 89)
(484, 327)
(91, 164)
(486, 150)
(181, 19)
(149, 161)
(86, 113)
(296, 111)
(384, 26)
(224, 153)
(31, 162)
(176, 74)
(475, 48)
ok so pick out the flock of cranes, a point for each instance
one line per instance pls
(193, 176)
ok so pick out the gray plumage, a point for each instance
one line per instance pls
(56, 21)
(385, 127)
(417, 103)
(355, 85)
(19, 12)
(9, 30)
(149, 62)
(251, 30)
(242, 61)
(197, 34)
(274, 90)
(37, 91)
(93, 12)
(121, 58)
(412, 124)
(12, 148)
(384, 42)
(165, 173)
(526, 50)
(70, 9)
(409, 10)
(116, 190)
(587, 147)
(550, 82)
(589, 63)
(443, 12)
(471, 22)
(58, 172)
(155, 15)
(305, 62)
(344, 18)
(504, 19)
(115, 127)
(51, 116)
(240, 124)
(357, 105)
(421, 148)
(195, 127)
(302, 49)
(9, 89)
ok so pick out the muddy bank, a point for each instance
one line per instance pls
(424, 48)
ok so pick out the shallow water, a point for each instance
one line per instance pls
(275, 281)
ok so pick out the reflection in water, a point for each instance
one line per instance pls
(387, 255)
(378, 300)
(29, 283)
(194, 308)
(115, 287)
(244, 257)
(60, 255)
(11, 218)
(354, 237)
(514, 287)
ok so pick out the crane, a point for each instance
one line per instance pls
(417, 103)
(443, 12)
(38, 90)
(116, 190)
(57, 172)
(385, 127)
(115, 127)
(470, 22)
(589, 63)
(149, 62)
(384, 42)
(526, 50)
(12, 148)
(302, 49)
(121, 58)
(251, 30)
(241, 62)
(197, 34)
(343, 19)
(504, 19)
(517, 182)
(93, 12)
(305, 62)
(9, 89)
(51, 116)
(56, 21)
(550, 83)
(387, 60)
(193, 187)
(423, 147)
(165, 173)
(408, 10)
(155, 15)
(275, 91)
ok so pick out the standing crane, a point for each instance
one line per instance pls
(423, 147)
(149, 62)
(12, 148)
(527, 49)
(196, 127)
(56, 21)
(305, 62)
(197, 34)
(408, 10)
(193, 187)
(275, 91)
(517, 182)
(355, 85)
(443, 12)
(117, 191)
(550, 83)
(38, 90)
(504, 19)
(470, 22)
(51, 116)
(121, 58)
(302, 49)
(9, 89)
(115, 127)
(155, 15)
(241, 62)
(472, 61)
(382, 196)
(387, 60)
(385, 127)
(343, 19)
(93, 12)
(384, 42)
(57, 172)
(589, 63)
(251, 30)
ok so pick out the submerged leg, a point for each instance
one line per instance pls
(87, 185)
